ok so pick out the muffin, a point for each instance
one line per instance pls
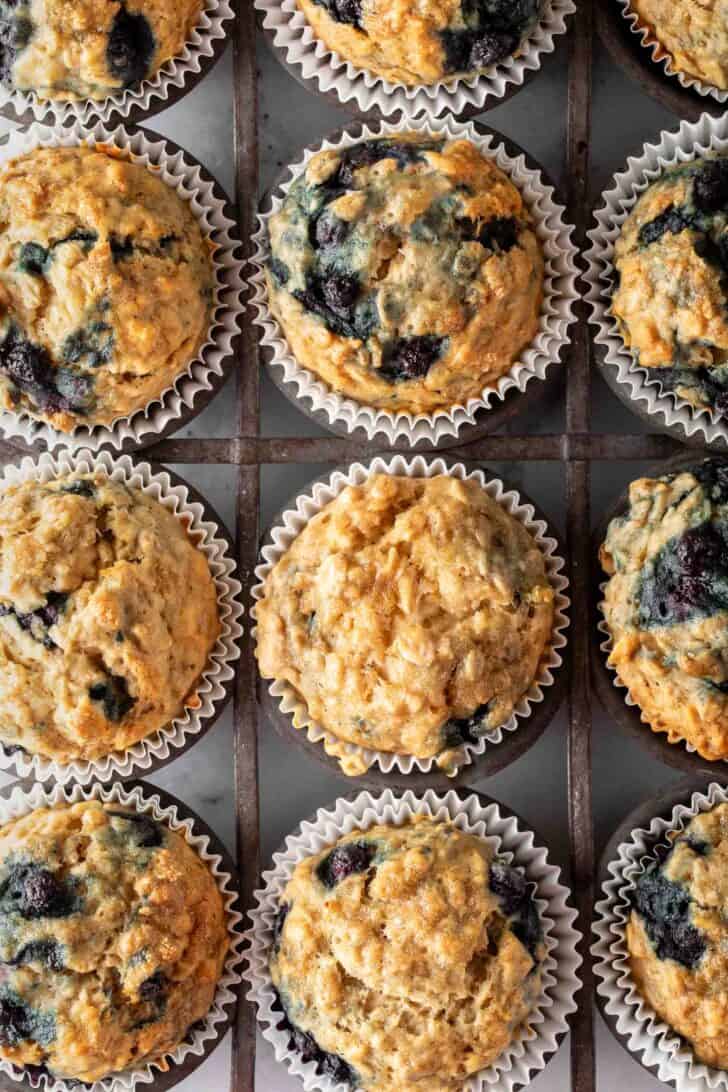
(108, 614)
(406, 957)
(410, 615)
(405, 272)
(666, 604)
(92, 48)
(671, 298)
(677, 936)
(106, 286)
(112, 936)
(424, 42)
(695, 35)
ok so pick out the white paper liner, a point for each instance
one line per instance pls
(21, 802)
(183, 175)
(532, 1048)
(308, 504)
(557, 308)
(690, 141)
(660, 55)
(647, 1035)
(150, 95)
(210, 690)
(364, 91)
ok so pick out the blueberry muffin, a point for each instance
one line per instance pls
(108, 614)
(423, 42)
(106, 286)
(694, 34)
(405, 272)
(406, 957)
(666, 604)
(678, 939)
(410, 615)
(671, 294)
(92, 48)
(112, 938)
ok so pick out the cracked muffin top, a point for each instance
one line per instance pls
(409, 615)
(405, 272)
(695, 35)
(671, 294)
(89, 49)
(406, 958)
(424, 42)
(666, 604)
(106, 286)
(112, 938)
(108, 613)
(677, 936)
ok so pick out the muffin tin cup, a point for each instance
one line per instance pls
(613, 693)
(475, 814)
(212, 364)
(630, 1018)
(643, 395)
(662, 57)
(444, 428)
(215, 685)
(17, 800)
(498, 746)
(131, 105)
(364, 93)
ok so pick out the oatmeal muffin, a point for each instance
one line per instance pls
(410, 615)
(106, 286)
(108, 613)
(666, 604)
(92, 48)
(678, 937)
(671, 295)
(694, 34)
(406, 957)
(405, 272)
(112, 937)
(423, 42)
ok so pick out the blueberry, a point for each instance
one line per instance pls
(411, 357)
(688, 578)
(39, 621)
(340, 291)
(514, 892)
(15, 33)
(329, 230)
(15, 1023)
(697, 845)
(121, 247)
(671, 221)
(710, 186)
(33, 258)
(344, 861)
(92, 345)
(328, 1065)
(48, 952)
(130, 47)
(490, 47)
(144, 832)
(500, 234)
(513, 15)
(79, 489)
(280, 921)
(114, 695)
(154, 988)
(332, 298)
(279, 272)
(713, 477)
(30, 368)
(664, 907)
(459, 730)
(343, 11)
(35, 892)
(373, 151)
(86, 239)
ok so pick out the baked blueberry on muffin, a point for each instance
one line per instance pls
(406, 957)
(678, 938)
(424, 42)
(112, 938)
(405, 272)
(92, 48)
(410, 615)
(694, 34)
(671, 294)
(666, 604)
(106, 286)
(108, 614)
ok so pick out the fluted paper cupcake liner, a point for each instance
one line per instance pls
(690, 141)
(203, 1037)
(149, 96)
(646, 1034)
(662, 56)
(557, 308)
(534, 1045)
(213, 686)
(308, 504)
(364, 91)
(181, 173)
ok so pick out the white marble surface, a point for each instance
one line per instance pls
(535, 786)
